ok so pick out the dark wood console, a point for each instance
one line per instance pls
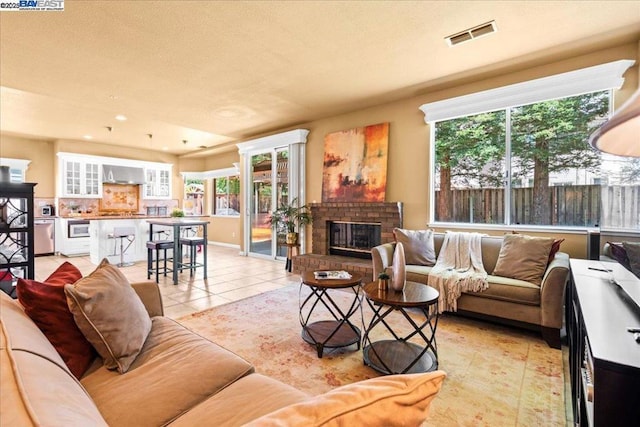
(604, 358)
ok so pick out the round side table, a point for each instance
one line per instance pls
(339, 330)
(397, 354)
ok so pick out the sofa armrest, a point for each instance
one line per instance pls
(552, 291)
(382, 257)
(149, 293)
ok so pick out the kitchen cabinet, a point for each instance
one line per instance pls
(158, 182)
(16, 234)
(70, 246)
(81, 178)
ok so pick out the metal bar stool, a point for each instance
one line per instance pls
(157, 246)
(124, 233)
(192, 242)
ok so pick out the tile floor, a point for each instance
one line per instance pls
(231, 277)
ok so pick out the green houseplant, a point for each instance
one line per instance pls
(288, 218)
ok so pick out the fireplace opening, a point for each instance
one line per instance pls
(354, 239)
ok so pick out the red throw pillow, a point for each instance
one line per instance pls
(46, 304)
(554, 248)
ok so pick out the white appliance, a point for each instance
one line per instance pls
(77, 228)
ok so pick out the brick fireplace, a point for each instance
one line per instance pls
(387, 214)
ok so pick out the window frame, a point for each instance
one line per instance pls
(602, 77)
(214, 194)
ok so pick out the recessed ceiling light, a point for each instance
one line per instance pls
(121, 117)
(87, 137)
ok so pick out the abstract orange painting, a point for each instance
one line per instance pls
(355, 164)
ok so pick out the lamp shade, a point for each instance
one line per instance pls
(620, 135)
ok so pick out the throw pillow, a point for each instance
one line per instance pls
(633, 253)
(46, 304)
(554, 249)
(523, 257)
(619, 253)
(418, 245)
(381, 401)
(110, 315)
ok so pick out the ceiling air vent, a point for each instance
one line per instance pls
(472, 33)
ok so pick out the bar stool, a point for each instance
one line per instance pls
(159, 242)
(157, 246)
(124, 233)
(192, 242)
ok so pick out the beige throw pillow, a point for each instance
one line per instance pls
(419, 248)
(110, 315)
(523, 257)
(383, 401)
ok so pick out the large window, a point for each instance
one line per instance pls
(529, 164)
(226, 196)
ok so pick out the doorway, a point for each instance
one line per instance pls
(269, 189)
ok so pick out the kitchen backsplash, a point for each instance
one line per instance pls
(70, 206)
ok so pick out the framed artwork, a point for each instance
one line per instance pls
(355, 164)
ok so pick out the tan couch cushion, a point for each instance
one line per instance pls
(110, 315)
(35, 380)
(523, 257)
(418, 246)
(511, 290)
(175, 371)
(382, 401)
(256, 394)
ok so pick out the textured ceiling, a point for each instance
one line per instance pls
(214, 72)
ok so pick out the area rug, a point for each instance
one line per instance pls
(496, 376)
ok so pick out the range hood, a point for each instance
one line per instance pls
(112, 174)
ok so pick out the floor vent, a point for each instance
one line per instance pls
(472, 33)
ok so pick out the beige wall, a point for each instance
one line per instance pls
(41, 168)
(408, 175)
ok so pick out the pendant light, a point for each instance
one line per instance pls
(620, 135)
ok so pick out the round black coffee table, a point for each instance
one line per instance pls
(339, 331)
(415, 351)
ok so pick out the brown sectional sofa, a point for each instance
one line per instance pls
(181, 379)
(514, 301)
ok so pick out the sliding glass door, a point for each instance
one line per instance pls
(273, 174)
(269, 189)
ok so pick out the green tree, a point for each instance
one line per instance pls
(546, 137)
(469, 150)
(552, 136)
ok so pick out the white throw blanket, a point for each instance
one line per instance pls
(458, 268)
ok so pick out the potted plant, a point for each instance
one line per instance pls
(288, 218)
(383, 281)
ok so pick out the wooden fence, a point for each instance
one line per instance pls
(613, 206)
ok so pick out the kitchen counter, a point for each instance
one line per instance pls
(93, 217)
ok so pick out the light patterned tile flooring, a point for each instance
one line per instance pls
(231, 277)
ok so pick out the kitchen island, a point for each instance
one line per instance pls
(104, 245)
